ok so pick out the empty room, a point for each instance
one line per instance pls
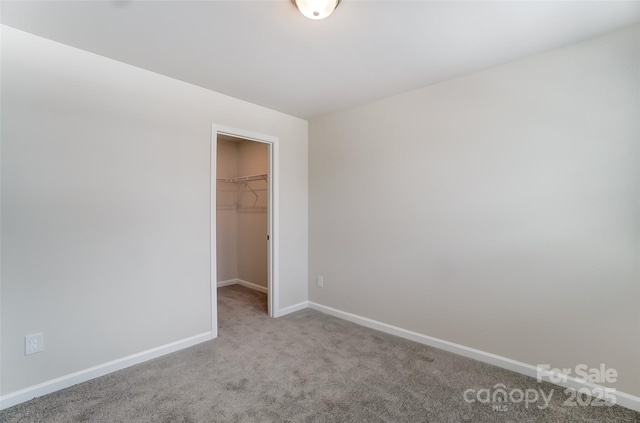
(319, 211)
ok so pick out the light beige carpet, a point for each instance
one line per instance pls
(304, 367)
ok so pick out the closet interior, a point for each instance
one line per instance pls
(242, 201)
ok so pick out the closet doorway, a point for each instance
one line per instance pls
(243, 214)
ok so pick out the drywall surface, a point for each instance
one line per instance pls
(106, 207)
(498, 210)
(253, 159)
(226, 211)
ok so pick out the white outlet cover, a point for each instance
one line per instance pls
(33, 343)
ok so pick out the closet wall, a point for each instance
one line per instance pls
(253, 159)
(226, 215)
(242, 212)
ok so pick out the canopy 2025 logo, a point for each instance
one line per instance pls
(591, 394)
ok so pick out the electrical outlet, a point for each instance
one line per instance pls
(320, 281)
(33, 343)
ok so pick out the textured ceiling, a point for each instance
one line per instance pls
(267, 53)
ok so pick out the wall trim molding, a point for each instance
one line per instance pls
(252, 285)
(623, 399)
(278, 313)
(227, 282)
(273, 228)
(244, 283)
(53, 385)
(292, 309)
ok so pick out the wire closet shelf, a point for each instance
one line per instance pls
(246, 188)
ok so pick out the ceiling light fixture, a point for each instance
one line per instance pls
(316, 9)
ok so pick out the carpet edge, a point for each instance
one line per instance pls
(53, 385)
(623, 399)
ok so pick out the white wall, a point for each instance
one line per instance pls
(106, 206)
(253, 159)
(498, 210)
(226, 213)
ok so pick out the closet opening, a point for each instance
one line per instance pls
(243, 230)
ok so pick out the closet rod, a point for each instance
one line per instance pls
(260, 177)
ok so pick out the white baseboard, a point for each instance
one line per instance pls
(623, 399)
(278, 313)
(292, 309)
(629, 401)
(252, 286)
(244, 283)
(227, 283)
(66, 381)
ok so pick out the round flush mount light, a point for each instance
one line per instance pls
(316, 9)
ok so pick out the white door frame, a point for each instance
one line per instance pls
(273, 229)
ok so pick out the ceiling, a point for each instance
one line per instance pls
(267, 53)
